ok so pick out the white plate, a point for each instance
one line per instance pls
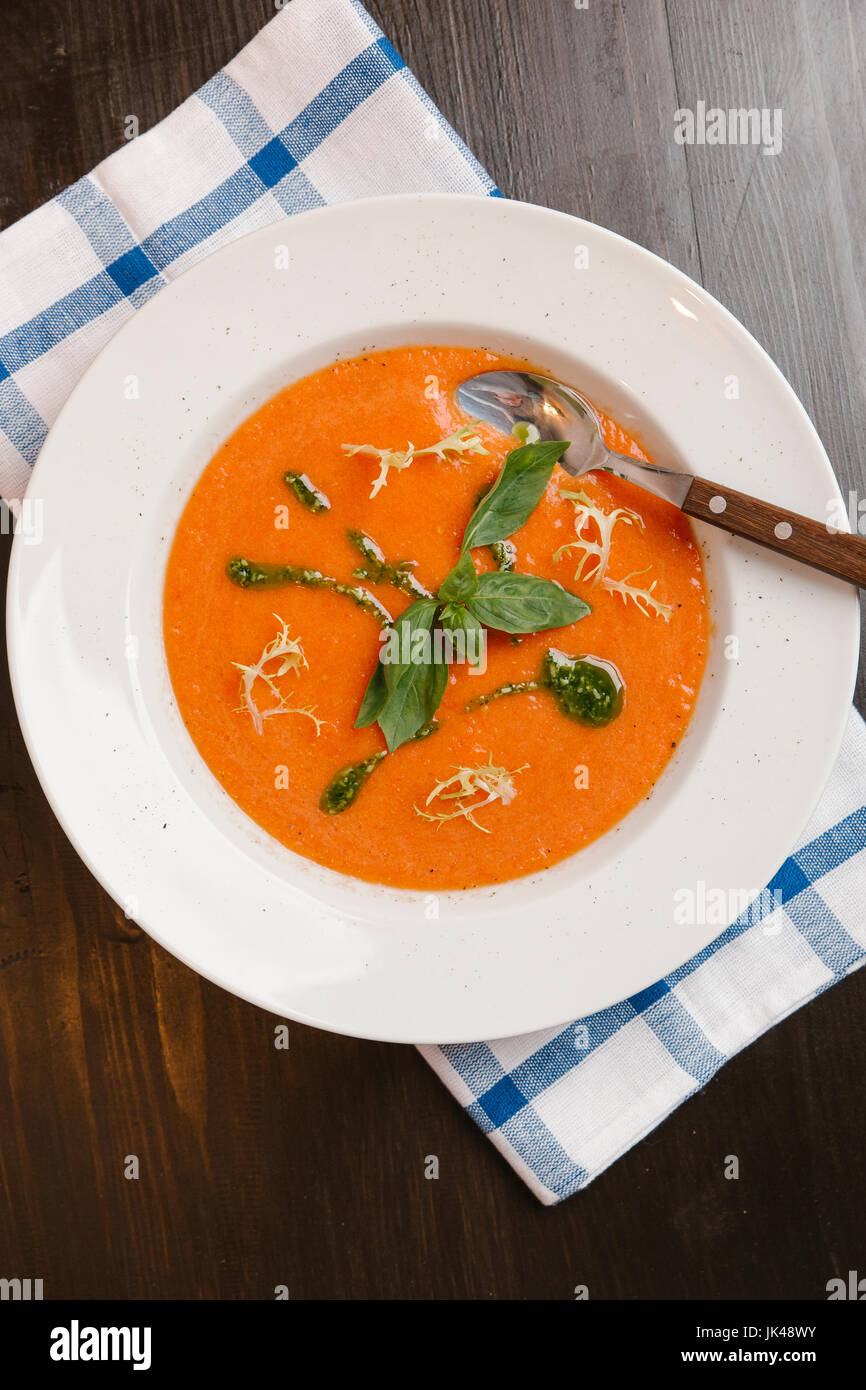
(89, 672)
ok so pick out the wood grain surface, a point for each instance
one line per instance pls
(305, 1167)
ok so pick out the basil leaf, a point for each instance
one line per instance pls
(406, 709)
(374, 699)
(414, 701)
(462, 582)
(397, 652)
(437, 681)
(515, 494)
(524, 603)
(457, 619)
(411, 682)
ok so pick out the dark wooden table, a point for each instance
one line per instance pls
(306, 1167)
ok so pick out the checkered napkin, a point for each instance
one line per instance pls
(320, 109)
(562, 1104)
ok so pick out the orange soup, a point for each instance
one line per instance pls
(506, 778)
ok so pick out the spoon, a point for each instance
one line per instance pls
(505, 399)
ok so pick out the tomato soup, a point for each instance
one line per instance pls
(500, 787)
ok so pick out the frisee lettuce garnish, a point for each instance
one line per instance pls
(596, 553)
(462, 441)
(643, 599)
(471, 789)
(289, 653)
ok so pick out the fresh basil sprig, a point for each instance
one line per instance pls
(515, 494)
(462, 582)
(406, 689)
(454, 618)
(513, 602)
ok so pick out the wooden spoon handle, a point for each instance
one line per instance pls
(800, 537)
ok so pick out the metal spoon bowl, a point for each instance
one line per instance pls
(557, 411)
(505, 399)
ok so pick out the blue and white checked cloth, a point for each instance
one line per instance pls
(562, 1104)
(320, 109)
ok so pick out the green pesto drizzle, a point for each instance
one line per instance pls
(342, 791)
(514, 688)
(248, 574)
(306, 492)
(586, 688)
(379, 571)
(505, 555)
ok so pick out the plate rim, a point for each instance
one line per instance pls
(16, 636)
